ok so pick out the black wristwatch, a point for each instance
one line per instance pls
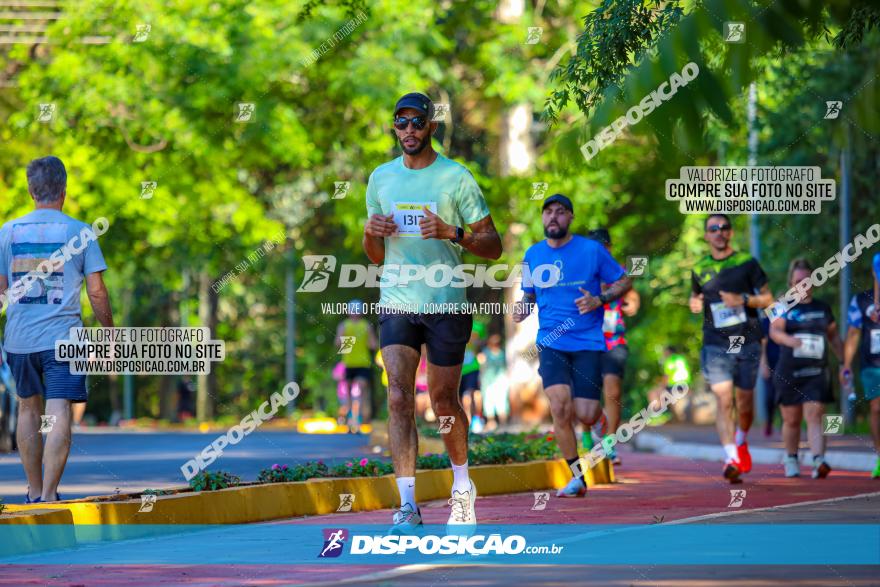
(603, 299)
(746, 300)
(459, 234)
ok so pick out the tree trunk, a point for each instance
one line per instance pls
(207, 383)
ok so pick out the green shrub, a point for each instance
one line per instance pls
(212, 481)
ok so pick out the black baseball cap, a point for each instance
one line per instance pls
(560, 199)
(601, 235)
(417, 101)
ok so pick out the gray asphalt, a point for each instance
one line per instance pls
(107, 461)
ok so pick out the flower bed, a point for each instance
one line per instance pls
(499, 449)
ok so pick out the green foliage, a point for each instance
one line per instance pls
(616, 34)
(213, 480)
(282, 473)
(2, 506)
(157, 492)
(361, 468)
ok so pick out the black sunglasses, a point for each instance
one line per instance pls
(418, 122)
(717, 227)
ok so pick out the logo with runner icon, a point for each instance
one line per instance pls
(832, 424)
(734, 32)
(147, 503)
(539, 188)
(346, 344)
(735, 344)
(334, 541)
(636, 265)
(340, 189)
(832, 109)
(47, 423)
(737, 497)
(446, 423)
(541, 499)
(319, 268)
(346, 500)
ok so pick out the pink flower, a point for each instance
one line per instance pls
(348, 464)
(275, 467)
(364, 462)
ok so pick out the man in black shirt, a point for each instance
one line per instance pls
(729, 288)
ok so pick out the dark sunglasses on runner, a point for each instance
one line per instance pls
(418, 122)
(718, 227)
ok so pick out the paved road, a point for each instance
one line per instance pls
(652, 487)
(860, 443)
(103, 461)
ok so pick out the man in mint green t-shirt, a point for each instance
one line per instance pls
(419, 206)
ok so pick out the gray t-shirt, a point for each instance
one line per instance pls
(50, 307)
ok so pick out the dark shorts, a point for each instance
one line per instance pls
(39, 373)
(741, 368)
(469, 382)
(444, 335)
(352, 373)
(792, 391)
(580, 370)
(614, 361)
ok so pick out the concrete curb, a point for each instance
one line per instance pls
(660, 444)
(23, 533)
(271, 501)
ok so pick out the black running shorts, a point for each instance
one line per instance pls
(444, 335)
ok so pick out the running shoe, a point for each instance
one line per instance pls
(820, 468)
(610, 449)
(575, 488)
(745, 459)
(462, 503)
(732, 471)
(792, 468)
(875, 474)
(476, 425)
(406, 520)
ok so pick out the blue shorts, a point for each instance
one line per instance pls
(580, 370)
(871, 382)
(741, 368)
(40, 373)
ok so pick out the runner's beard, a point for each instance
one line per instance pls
(556, 233)
(419, 148)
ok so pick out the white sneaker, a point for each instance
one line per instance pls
(574, 488)
(406, 519)
(462, 503)
(792, 467)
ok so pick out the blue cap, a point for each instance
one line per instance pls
(559, 199)
(417, 101)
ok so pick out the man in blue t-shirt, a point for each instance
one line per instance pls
(570, 312)
(45, 256)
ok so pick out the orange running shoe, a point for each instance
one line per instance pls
(745, 459)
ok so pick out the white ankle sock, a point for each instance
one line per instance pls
(730, 451)
(460, 479)
(406, 486)
(740, 437)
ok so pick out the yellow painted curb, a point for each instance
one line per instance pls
(263, 502)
